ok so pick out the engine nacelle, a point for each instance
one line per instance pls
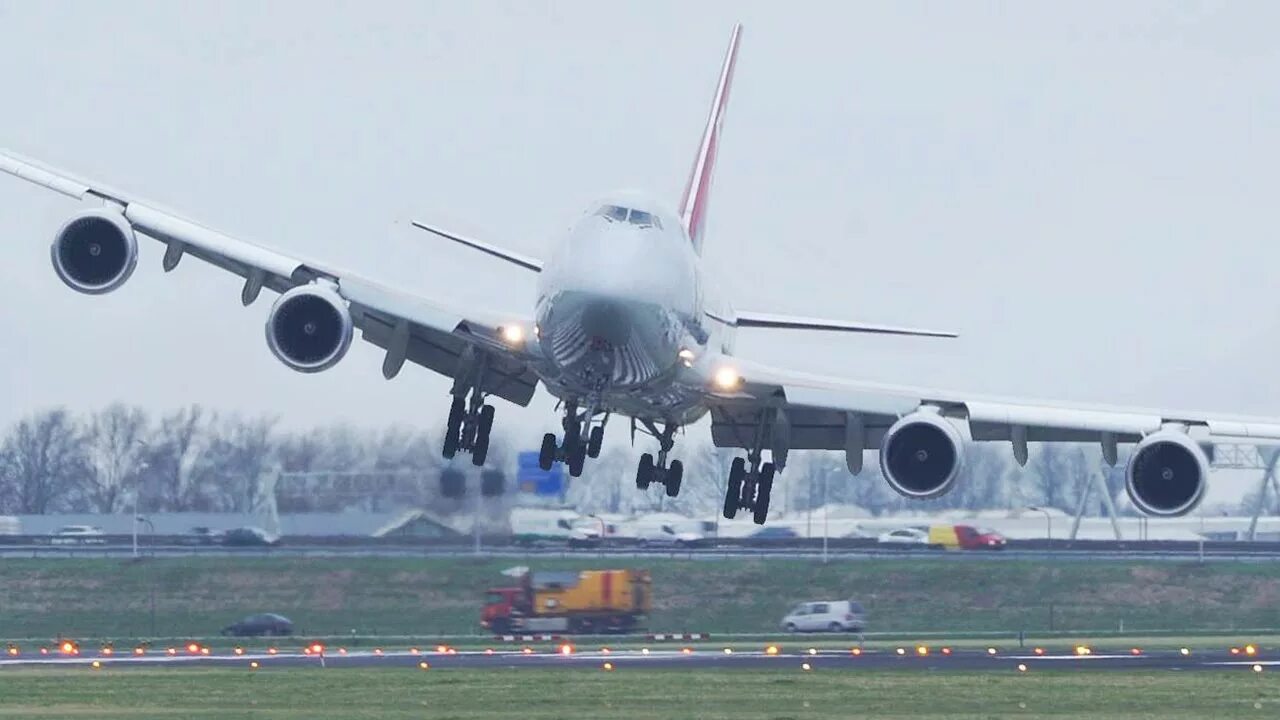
(95, 251)
(921, 455)
(1167, 474)
(309, 328)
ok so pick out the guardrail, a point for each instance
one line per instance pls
(1251, 552)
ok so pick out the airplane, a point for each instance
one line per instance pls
(627, 322)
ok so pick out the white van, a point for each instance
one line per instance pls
(826, 616)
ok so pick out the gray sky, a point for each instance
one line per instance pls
(1084, 190)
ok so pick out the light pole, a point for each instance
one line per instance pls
(1048, 522)
(137, 490)
(825, 512)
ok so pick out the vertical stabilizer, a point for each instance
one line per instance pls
(693, 206)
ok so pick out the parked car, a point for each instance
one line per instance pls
(249, 537)
(262, 624)
(78, 535)
(826, 616)
(906, 538)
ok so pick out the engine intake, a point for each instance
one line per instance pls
(309, 328)
(95, 251)
(921, 455)
(1167, 474)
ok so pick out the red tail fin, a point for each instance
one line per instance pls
(693, 206)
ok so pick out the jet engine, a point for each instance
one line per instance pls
(1167, 474)
(95, 251)
(309, 328)
(921, 455)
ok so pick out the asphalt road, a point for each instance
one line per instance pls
(116, 551)
(676, 658)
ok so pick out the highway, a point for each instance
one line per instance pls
(1264, 552)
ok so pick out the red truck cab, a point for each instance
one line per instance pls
(972, 538)
(500, 605)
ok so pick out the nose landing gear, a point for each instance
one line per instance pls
(651, 470)
(582, 439)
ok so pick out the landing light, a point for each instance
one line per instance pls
(1185, 651)
(512, 334)
(686, 356)
(727, 378)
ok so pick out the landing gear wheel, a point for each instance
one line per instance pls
(594, 441)
(577, 458)
(547, 453)
(453, 428)
(675, 473)
(480, 450)
(644, 472)
(733, 493)
(763, 490)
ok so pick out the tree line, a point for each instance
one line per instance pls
(195, 459)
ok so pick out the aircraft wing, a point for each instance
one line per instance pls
(408, 326)
(834, 414)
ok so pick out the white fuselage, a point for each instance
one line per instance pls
(622, 315)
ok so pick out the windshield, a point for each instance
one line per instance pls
(639, 218)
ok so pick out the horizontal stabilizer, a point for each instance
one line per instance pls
(523, 261)
(791, 322)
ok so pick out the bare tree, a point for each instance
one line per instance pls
(114, 449)
(42, 463)
(229, 472)
(172, 453)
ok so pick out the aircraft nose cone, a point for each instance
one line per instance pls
(605, 321)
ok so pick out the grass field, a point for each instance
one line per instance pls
(741, 695)
(187, 597)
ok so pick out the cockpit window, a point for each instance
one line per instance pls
(613, 212)
(639, 218)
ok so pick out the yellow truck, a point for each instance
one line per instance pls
(587, 601)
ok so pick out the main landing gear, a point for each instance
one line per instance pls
(749, 489)
(583, 439)
(658, 470)
(470, 417)
(750, 479)
(468, 428)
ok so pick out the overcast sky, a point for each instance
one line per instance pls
(1086, 191)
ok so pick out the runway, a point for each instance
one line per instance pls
(800, 659)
